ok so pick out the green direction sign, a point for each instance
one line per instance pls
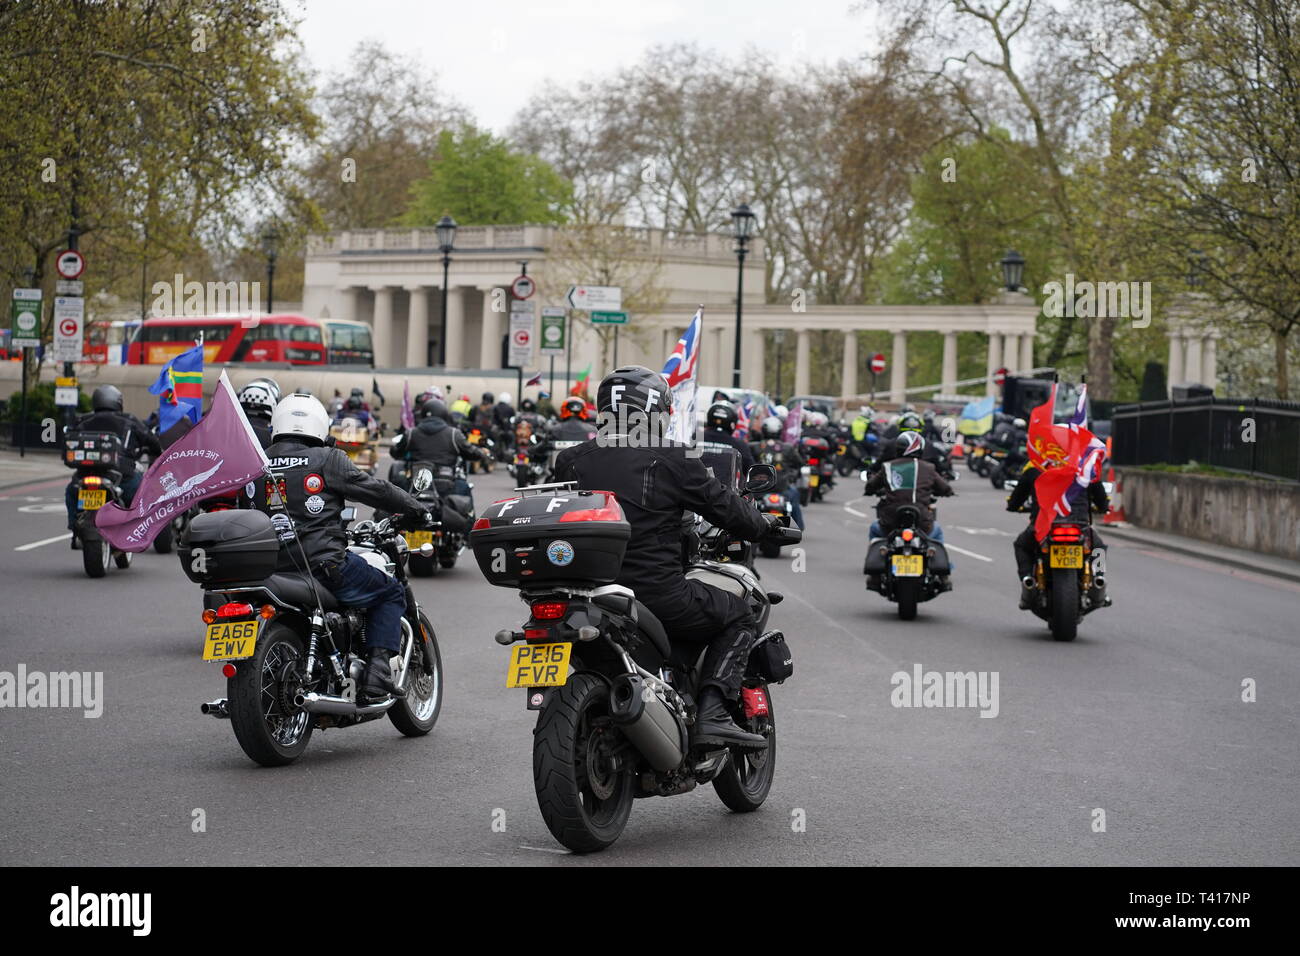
(609, 318)
(553, 328)
(25, 319)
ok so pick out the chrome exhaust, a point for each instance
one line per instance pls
(216, 708)
(340, 706)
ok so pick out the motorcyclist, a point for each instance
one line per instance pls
(544, 406)
(482, 415)
(929, 484)
(655, 482)
(720, 428)
(786, 458)
(107, 416)
(461, 407)
(313, 481)
(574, 424)
(436, 441)
(356, 407)
(258, 399)
(1026, 544)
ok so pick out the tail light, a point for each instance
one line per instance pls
(550, 610)
(92, 481)
(908, 534)
(1066, 532)
(774, 499)
(610, 511)
(234, 610)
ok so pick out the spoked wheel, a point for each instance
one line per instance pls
(95, 556)
(272, 730)
(416, 713)
(744, 782)
(584, 782)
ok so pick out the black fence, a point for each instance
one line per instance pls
(1257, 436)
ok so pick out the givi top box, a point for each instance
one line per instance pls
(552, 537)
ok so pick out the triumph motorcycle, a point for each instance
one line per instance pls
(615, 700)
(292, 656)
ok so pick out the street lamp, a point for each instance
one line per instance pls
(778, 336)
(270, 248)
(742, 225)
(446, 242)
(1013, 270)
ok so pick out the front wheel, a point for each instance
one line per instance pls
(1065, 605)
(584, 785)
(272, 729)
(416, 713)
(744, 782)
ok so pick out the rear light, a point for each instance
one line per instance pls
(480, 524)
(92, 480)
(536, 633)
(234, 610)
(908, 534)
(267, 612)
(209, 616)
(1066, 532)
(774, 499)
(550, 610)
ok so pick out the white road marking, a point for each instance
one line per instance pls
(993, 531)
(969, 554)
(40, 544)
(544, 849)
(854, 511)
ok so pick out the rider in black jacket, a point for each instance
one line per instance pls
(108, 416)
(312, 483)
(656, 481)
(435, 440)
(720, 428)
(1026, 544)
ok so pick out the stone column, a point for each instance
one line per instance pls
(455, 328)
(1175, 376)
(898, 368)
(1210, 361)
(752, 366)
(849, 372)
(351, 307)
(417, 328)
(949, 377)
(1026, 351)
(1192, 365)
(994, 361)
(489, 341)
(382, 333)
(802, 364)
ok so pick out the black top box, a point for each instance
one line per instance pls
(551, 537)
(229, 547)
(94, 451)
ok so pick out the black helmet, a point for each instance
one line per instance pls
(634, 388)
(434, 408)
(528, 405)
(722, 416)
(488, 398)
(910, 422)
(107, 398)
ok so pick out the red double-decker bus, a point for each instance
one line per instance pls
(282, 337)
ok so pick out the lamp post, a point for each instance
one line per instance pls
(1013, 270)
(446, 242)
(271, 248)
(778, 336)
(742, 224)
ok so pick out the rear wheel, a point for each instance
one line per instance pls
(1065, 605)
(420, 566)
(95, 555)
(998, 477)
(123, 559)
(447, 560)
(905, 593)
(272, 730)
(744, 782)
(416, 713)
(805, 496)
(584, 786)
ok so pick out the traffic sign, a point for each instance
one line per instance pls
(1000, 376)
(65, 392)
(69, 328)
(25, 319)
(609, 318)
(520, 305)
(523, 287)
(877, 363)
(70, 264)
(69, 287)
(521, 339)
(554, 321)
(595, 297)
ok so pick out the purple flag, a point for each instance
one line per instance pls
(793, 424)
(408, 415)
(218, 455)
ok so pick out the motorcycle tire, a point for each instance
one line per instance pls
(278, 648)
(567, 794)
(166, 538)
(769, 549)
(805, 496)
(420, 566)
(1065, 606)
(743, 784)
(95, 556)
(905, 593)
(415, 714)
(983, 468)
(845, 468)
(123, 559)
(448, 561)
(998, 477)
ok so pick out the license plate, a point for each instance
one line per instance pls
(1067, 556)
(539, 665)
(812, 480)
(230, 640)
(417, 539)
(908, 565)
(92, 499)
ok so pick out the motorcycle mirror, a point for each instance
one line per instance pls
(426, 549)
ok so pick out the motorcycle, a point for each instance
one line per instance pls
(553, 453)
(1069, 577)
(446, 536)
(524, 469)
(615, 701)
(358, 441)
(291, 654)
(1010, 466)
(906, 566)
(100, 462)
(855, 456)
(476, 437)
(774, 503)
(815, 474)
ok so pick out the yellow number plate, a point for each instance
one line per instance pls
(230, 640)
(416, 539)
(908, 565)
(92, 499)
(539, 665)
(1067, 556)
(813, 479)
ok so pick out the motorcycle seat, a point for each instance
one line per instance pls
(294, 588)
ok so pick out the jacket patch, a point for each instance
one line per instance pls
(313, 483)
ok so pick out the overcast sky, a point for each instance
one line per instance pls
(490, 55)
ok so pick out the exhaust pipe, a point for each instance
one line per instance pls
(646, 721)
(340, 706)
(216, 708)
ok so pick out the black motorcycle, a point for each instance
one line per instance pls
(907, 566)
(439, 545)
(1069, 577)
(615, 700)
(292, 655)
(100, 462)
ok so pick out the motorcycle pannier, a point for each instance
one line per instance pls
(560, 537)
(229, 547)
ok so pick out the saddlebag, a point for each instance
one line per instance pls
(771, 659)
(229, 547)
(939, 560)
(875, 562)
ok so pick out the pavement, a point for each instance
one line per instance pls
(1132, 745)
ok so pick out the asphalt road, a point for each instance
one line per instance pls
(1141, 717)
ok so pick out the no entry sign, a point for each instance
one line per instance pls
(1000, 377)
(70, 264)
(877, 363)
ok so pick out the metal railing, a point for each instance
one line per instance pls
(1256, 436)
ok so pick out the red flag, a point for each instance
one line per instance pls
(1058, 451)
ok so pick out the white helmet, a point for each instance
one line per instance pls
(781, 411)
(255, 396)
(504, 398)
(300, 415)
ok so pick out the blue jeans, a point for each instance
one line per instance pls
(796, 509)
(935, 534)
(356, 584)
(130, 484)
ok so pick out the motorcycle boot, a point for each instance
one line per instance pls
(714, 725)
(377, 682)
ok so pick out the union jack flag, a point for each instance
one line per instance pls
(680, 366)
(742, 418)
